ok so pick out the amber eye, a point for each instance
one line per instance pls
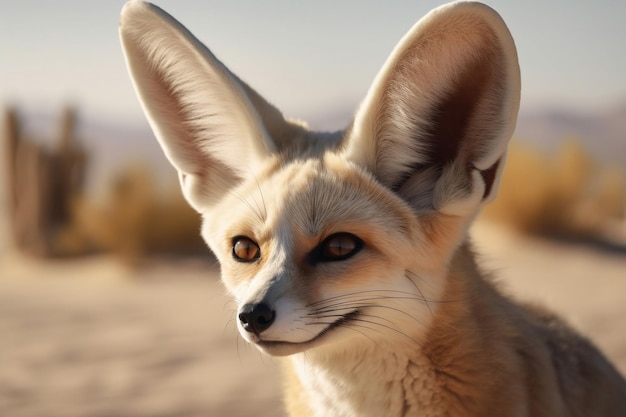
(245, 249)
(337, 247)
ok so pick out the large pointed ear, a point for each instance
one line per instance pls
(435, 125)
(212, 127)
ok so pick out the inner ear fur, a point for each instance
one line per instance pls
(213, 128)
(435, 124)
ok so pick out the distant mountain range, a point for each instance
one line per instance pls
(603, 133)
(113, 145)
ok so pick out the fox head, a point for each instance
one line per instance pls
(327, 239)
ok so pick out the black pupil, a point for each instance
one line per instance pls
(340, 246)
(245, 249)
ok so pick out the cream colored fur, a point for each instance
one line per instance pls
(348, 253)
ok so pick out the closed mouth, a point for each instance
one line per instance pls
(280, 348)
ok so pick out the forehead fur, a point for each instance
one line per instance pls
(326, 194)
(313, 198)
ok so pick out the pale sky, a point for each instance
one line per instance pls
(308, 58)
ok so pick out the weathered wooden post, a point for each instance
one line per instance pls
(24, 160)
(67, 164)
(11, 134)
(41, 184)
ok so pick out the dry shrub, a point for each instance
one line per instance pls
(135, 220)
(565, 195)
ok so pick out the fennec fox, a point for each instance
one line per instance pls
(348, 252)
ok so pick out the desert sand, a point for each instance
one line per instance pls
(92, 338)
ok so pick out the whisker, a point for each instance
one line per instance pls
(407, 272)
(349, 307)
(355, 293)
(322, 323)
(237, 337)
(306, 330)
(343, 305)
(348, 325)
(352, 321)
(258, 186)
(352, 327)
(414, 296)
(331, 299)
(247, 203)
(349, 302)
(413, 274)
(362, 314)
(363, 320)
(387, 327)
(321, 314)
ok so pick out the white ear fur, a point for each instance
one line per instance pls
(435, 124)
(203, 116)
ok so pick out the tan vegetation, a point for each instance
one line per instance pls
(566, 194)
(51, 214)
(135, 219)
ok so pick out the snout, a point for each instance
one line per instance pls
(287, 325)
(256, 317)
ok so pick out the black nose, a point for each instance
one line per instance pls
(256, 318)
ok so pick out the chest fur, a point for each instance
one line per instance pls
(385, 384)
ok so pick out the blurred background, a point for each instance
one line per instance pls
(110, 304)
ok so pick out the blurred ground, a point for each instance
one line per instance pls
(90, 338)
